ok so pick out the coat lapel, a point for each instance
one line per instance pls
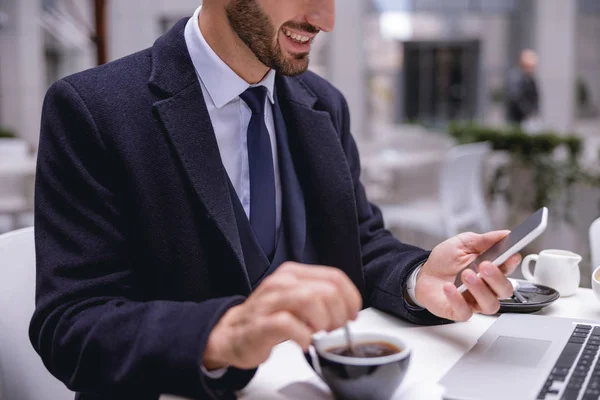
(324, 174)
(292, 196)
(188, 127)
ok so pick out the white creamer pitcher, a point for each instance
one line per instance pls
(558, 269)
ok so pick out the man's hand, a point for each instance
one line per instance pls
(435, 283)
(292, 304)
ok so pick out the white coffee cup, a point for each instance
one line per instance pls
(596, 282)
(558, 269)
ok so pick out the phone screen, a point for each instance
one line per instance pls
(518, 238)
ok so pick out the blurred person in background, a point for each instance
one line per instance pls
(523, 101)
(199, 202)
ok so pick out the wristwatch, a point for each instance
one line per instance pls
(412, 284)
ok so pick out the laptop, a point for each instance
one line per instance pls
(529, 357)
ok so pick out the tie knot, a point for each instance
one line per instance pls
(255, 98)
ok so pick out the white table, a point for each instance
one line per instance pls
(287, 376)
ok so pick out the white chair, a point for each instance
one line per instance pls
(595, 243)
(14, 199)
(23, 376)
(460, 204)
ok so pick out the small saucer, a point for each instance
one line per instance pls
(537, 296)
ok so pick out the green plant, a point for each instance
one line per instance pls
(7, 134)
(547, 162)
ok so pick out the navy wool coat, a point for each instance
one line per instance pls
(138, 254)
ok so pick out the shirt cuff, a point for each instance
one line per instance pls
(411, 283)
(216, 374)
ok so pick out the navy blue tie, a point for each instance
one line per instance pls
(262, 173)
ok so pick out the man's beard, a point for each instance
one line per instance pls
(254, 27)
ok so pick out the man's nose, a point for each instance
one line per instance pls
(321, 14)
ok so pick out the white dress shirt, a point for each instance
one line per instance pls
(230, 115)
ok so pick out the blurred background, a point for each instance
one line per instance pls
(430, 85)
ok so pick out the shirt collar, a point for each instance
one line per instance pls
(221, 82)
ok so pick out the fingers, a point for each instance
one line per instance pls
(478, 243)
(282, 326)
(486, 300)
(484, 291)
(291, 304)
(457, 308)
(253, 344)
(496, 280)
(511, 264)
(347, 289)
(338, 311)
(350, 296)
(317, 304)
(323, 298)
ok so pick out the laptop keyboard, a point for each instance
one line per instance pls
(576, 374)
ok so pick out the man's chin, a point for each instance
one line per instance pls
(294, 66)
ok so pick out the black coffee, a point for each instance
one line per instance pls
(366, 350)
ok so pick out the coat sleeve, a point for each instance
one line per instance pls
(387, 262)
(91, 326)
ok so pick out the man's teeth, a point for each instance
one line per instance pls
(296, 37)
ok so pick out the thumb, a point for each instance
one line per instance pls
(478, 243)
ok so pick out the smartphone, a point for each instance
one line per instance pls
(516, 240)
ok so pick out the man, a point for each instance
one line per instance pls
(522, 91)
(185, 196)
